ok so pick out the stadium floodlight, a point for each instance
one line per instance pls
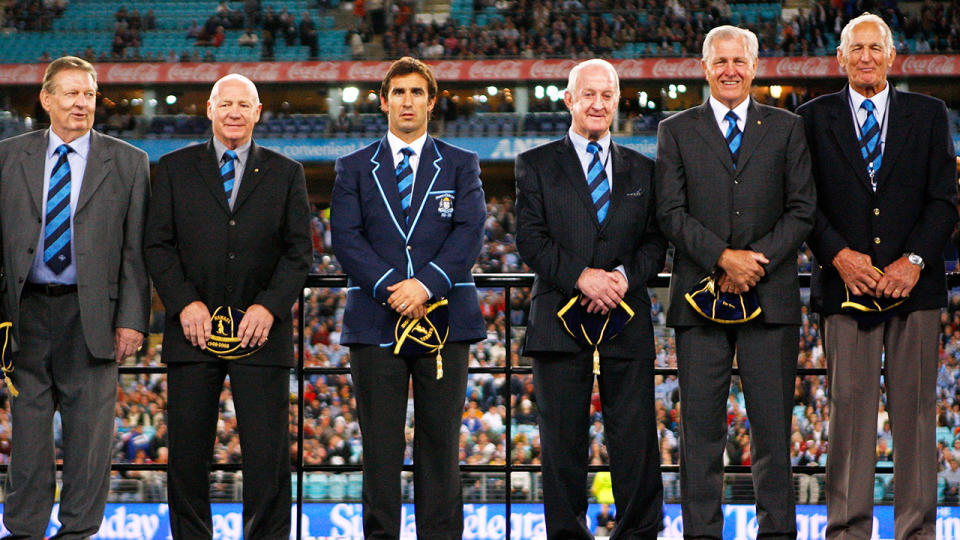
(371, 96)
(171, 99)
(538, 92)
(642, 98)
(350, 94)
(492, 90)
(776, 91)
(682, 88)
(553, 93)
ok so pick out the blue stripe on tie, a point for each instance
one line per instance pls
(602, 213)
(58, 197)
(59, 174)
(597, 183)
(55, 247)
(733, 136)
(56, 230)
(404, 173)
(55, 223)
(227, 173)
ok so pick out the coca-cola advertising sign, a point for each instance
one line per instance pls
(475, 71)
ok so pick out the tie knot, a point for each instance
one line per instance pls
(230, 154)
(731, 116)
(867, 105)
(593, 147)
(406, 151)
(64, 149)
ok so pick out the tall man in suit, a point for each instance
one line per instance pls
(73, 204)
(885, 174)
(229, 225)
(586, 224)
(736, 198)
(406, 216)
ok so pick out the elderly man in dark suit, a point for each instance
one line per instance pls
(736, 197)
(406, 217)
(73, 204)
(586, 224)
(229, 226)
(885, 174)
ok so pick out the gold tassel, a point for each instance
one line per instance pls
(439, 364)
(596, 362)
(10, 388)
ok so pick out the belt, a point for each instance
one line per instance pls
(49, 289)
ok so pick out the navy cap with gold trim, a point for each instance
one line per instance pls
(592, 329)
(721, 307)
(223, 342)
(424, 335)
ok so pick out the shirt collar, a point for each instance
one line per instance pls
(242, 151)
(80, 145)
(879, 100)
(580, 142)
(397, 144)
(720, 110)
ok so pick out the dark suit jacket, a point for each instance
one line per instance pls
(705, 205)
(107, 234)
(377, 248)
(258, 253)
(558, 235)
(913, 210)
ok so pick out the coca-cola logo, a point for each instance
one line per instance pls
(486, 71)
(367, 71)
(631, 69)
(132, 73)
(929, 65)
(446, 71)
(687, 68)
(260, 71)
(21, 74)
(551, 69)
(313, 71)
(800, 67)
(194, 72)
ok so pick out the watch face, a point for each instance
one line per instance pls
(915, 259)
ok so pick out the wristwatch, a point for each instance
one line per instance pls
(914, 259)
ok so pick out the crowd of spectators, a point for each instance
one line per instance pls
(32, 15)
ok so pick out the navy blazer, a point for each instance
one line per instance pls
(377, 248)
(913, 210)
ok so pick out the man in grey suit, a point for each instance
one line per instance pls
(75, 286)
(736, 197)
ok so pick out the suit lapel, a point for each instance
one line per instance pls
(898, 132)
(621, 181)
(709, 131)
(255, 169)
(33, 170)
(385, 177)
(841, 128)
(754, 130)
(573, 172)
(99, 163)
(428, 169)
(208, 168)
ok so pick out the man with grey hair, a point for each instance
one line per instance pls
(736, 197)
(229, 227)
(73, 204)
(586, 226)
(883, 162)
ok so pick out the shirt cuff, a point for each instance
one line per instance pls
(425, 288)
(623, 271)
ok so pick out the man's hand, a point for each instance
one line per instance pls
(857, 271)
(899, 278)
(727, 285)
(195, 320)
(406, 296)
(743, 268)
(255, 326)
(126, 341)
(602, 290)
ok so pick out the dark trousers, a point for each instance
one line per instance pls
(260, 396)
(54, 368)
(381, 381)
(907, 345)
(563, 385)
(767, 358)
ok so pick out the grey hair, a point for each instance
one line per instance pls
(575, 73)
(748, 38)
(847, 33)
(215, 91)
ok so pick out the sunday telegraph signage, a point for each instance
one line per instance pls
(477, 71)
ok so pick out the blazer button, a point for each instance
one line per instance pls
(876, 211)
(233, 223)
(30, 251)
(232, 256)
(876, 240)
(737, 212)
(409, 248)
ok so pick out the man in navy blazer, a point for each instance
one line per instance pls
(407, 215)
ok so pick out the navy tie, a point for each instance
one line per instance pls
(870, 139)
(228, 173)
(597, 183)
(733, 136)
(56, 233)
(405, 181)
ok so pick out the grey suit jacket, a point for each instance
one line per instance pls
(705, 205)
(108, 225)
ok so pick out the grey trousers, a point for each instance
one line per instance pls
(54, 369)
(909, 345)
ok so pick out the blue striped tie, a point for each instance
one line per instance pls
(733, 136)
(56, 233)
(228, 172)
(597, 183)
(870, 138)
(405, 181)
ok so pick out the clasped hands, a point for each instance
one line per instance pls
(741, 269)
(857, 272)
(408, 298)
(602, 290)
(253, 330)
